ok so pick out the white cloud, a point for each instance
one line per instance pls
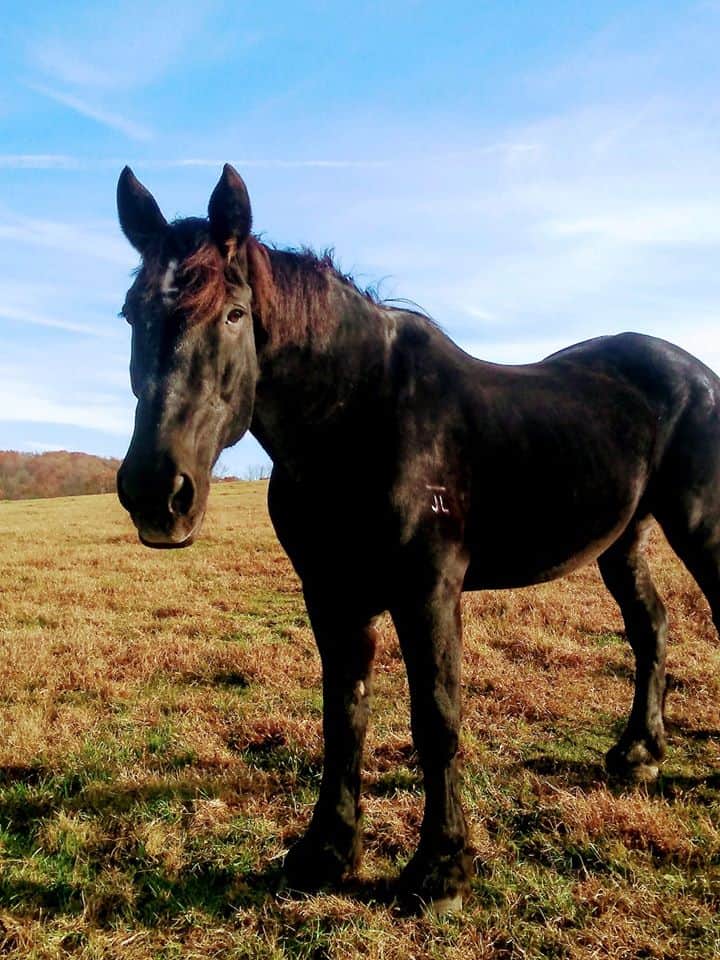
(90, 239)
(671, 225)
(338, 164)
(124, 47)
(513, 350)
(700, 336)
(25, 400)
(37, 317)
(107, 118)
(39, 161)
(612, 222)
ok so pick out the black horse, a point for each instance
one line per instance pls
(405, 472)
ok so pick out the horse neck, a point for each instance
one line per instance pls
(310, 389)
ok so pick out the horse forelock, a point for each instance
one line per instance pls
(189, 272)
(194, 278)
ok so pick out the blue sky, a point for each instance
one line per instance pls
(531, 174)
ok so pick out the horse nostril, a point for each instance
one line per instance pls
(182, 496)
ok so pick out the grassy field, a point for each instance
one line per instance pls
(160, 748)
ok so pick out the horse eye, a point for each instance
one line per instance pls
(235, 316)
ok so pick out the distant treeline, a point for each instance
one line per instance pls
(59, 473)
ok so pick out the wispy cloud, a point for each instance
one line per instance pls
(26, 400)
(504, 149)
(282, 164)
(18, 314)
(107, 118)
(128, 46)
(698, 334)
(609, 222)
(39, 161)
(51, 161)
(85, 239)
(514, 350)
(669, 225)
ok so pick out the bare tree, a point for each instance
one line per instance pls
(257, 471)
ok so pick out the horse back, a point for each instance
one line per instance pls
(568, 451)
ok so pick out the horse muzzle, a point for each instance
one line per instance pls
(164, 504)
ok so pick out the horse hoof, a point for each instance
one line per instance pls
(445, 906)
(311, 866)
(435, 885)
(635, 773)
(645, 772)
(635, 765)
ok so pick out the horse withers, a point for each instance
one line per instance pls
(429, 473)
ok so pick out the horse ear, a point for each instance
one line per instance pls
(229, 211)
(138, 212)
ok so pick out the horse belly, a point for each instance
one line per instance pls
(493, 570)
(548, 528)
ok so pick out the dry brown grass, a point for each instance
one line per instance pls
(160, 748)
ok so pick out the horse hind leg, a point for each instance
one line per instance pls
(686, 491)
(625, 572)
(698, 546)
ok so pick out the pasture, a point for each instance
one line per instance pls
(160, 748)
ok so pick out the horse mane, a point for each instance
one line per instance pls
(291, 288)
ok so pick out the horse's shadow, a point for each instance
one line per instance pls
(591, 774)
(21, 773)
(680, 731)
(209, 887)
(575, 773)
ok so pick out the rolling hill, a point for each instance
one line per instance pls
(58, 473)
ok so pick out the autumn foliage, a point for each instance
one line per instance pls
(28, 476)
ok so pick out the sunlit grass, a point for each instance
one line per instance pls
(160, 747)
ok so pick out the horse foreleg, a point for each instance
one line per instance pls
(331, 847)
(627, 577)
(430, 633)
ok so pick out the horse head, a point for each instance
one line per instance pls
(193, 364)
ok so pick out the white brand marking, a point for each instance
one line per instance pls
(438, 504)
(167, 285)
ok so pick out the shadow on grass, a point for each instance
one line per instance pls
(620, 671)
(382, 891)
(153, 899)
(218, 892)
(114, 878)
(378, 891)
(704, 788)
(680, 730)
(145, 895)
(577, 773)
(21, 773)
(29, 794)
